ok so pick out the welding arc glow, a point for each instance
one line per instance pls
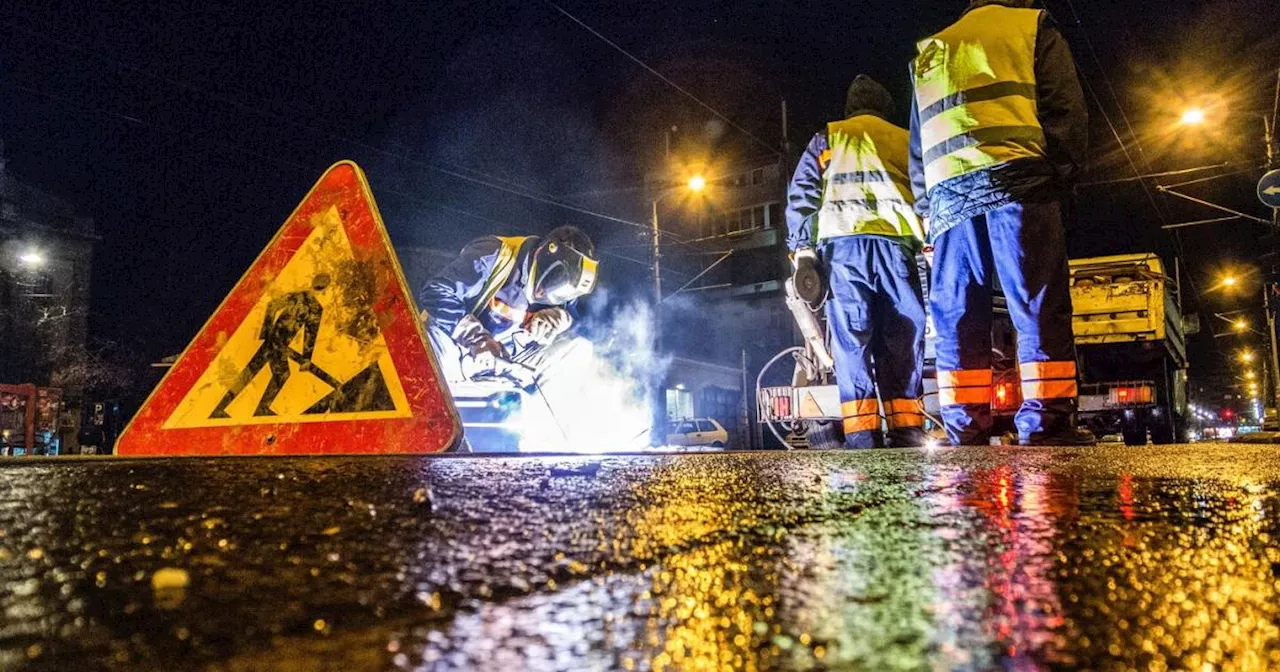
(596, 399)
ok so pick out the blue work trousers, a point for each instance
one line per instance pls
(877, 321)
(1023, 245)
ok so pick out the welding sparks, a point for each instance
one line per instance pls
(596, 399)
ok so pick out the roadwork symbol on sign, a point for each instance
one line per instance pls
(316, 350)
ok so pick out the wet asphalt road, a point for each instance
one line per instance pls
(1104, 558)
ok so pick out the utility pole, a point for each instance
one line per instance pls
(1271, 334)
(656, 235)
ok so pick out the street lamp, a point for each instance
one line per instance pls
(1230, 281)
(1250, 375)
(696, 184)
(31, 259)
(1246, 356)
(1193, 116)
(1239, 325)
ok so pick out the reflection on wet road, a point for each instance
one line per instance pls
(1107, 558)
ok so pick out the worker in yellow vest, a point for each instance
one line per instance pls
(999, 131)
(850, 212)
(501, 287)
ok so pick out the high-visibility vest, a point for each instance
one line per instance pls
(502, 268)
(975, 86)
(866, 188)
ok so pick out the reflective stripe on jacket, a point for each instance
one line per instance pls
(488, 269)
(866, 189)
(975, 88)
(503, 265)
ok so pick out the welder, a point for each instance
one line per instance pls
(850, 216)
(999, 131)
(505, 294)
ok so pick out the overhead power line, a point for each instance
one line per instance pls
(1199, 222)
(1199, 180)
(485, 180)
(1166, 173)
(664, 78)
(1093, 53)
(238, 149)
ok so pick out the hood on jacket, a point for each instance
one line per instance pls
(867, 95)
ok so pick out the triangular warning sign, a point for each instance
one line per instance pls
(809, 407)
(316, 350)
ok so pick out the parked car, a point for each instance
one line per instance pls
(697, 432)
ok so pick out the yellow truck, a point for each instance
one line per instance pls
(1132, 348)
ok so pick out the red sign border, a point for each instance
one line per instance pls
(431, 405)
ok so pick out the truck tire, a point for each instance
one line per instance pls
(1162, 431)
(824, 435)
(1134, 434)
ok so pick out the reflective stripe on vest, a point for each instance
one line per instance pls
(502, 268)
(866, 189)
(975, 88)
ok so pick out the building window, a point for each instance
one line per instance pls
(757, 176)
(773, 216)
(679, 404)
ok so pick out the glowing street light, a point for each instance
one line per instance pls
(697, 183)
(1239, 325)
(1230, 281)
(1246, 356)
(31, 258)
(1193, 116)
(1250, 375)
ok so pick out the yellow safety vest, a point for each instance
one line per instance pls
(866, 188)
(502, 268)
(975, 88)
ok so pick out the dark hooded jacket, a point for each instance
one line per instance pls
(1063, 114)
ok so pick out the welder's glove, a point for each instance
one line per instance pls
(477, 342)
(546, 324)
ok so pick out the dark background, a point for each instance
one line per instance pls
(190, 135)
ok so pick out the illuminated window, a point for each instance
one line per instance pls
(679, 404)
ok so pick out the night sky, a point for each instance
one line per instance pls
(190, 135)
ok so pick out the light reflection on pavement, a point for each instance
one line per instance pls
(1157, 558)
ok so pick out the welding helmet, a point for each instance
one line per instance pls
(564, 267)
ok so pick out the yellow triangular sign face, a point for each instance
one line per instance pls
(809, 407)
(318, 349)
(260, 380)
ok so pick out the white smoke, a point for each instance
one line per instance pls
(597, 399)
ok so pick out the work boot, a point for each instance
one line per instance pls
(1071, 436)
(908, 437)
(863, 440)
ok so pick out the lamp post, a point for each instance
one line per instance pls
(696, 185)
(1240, 326)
